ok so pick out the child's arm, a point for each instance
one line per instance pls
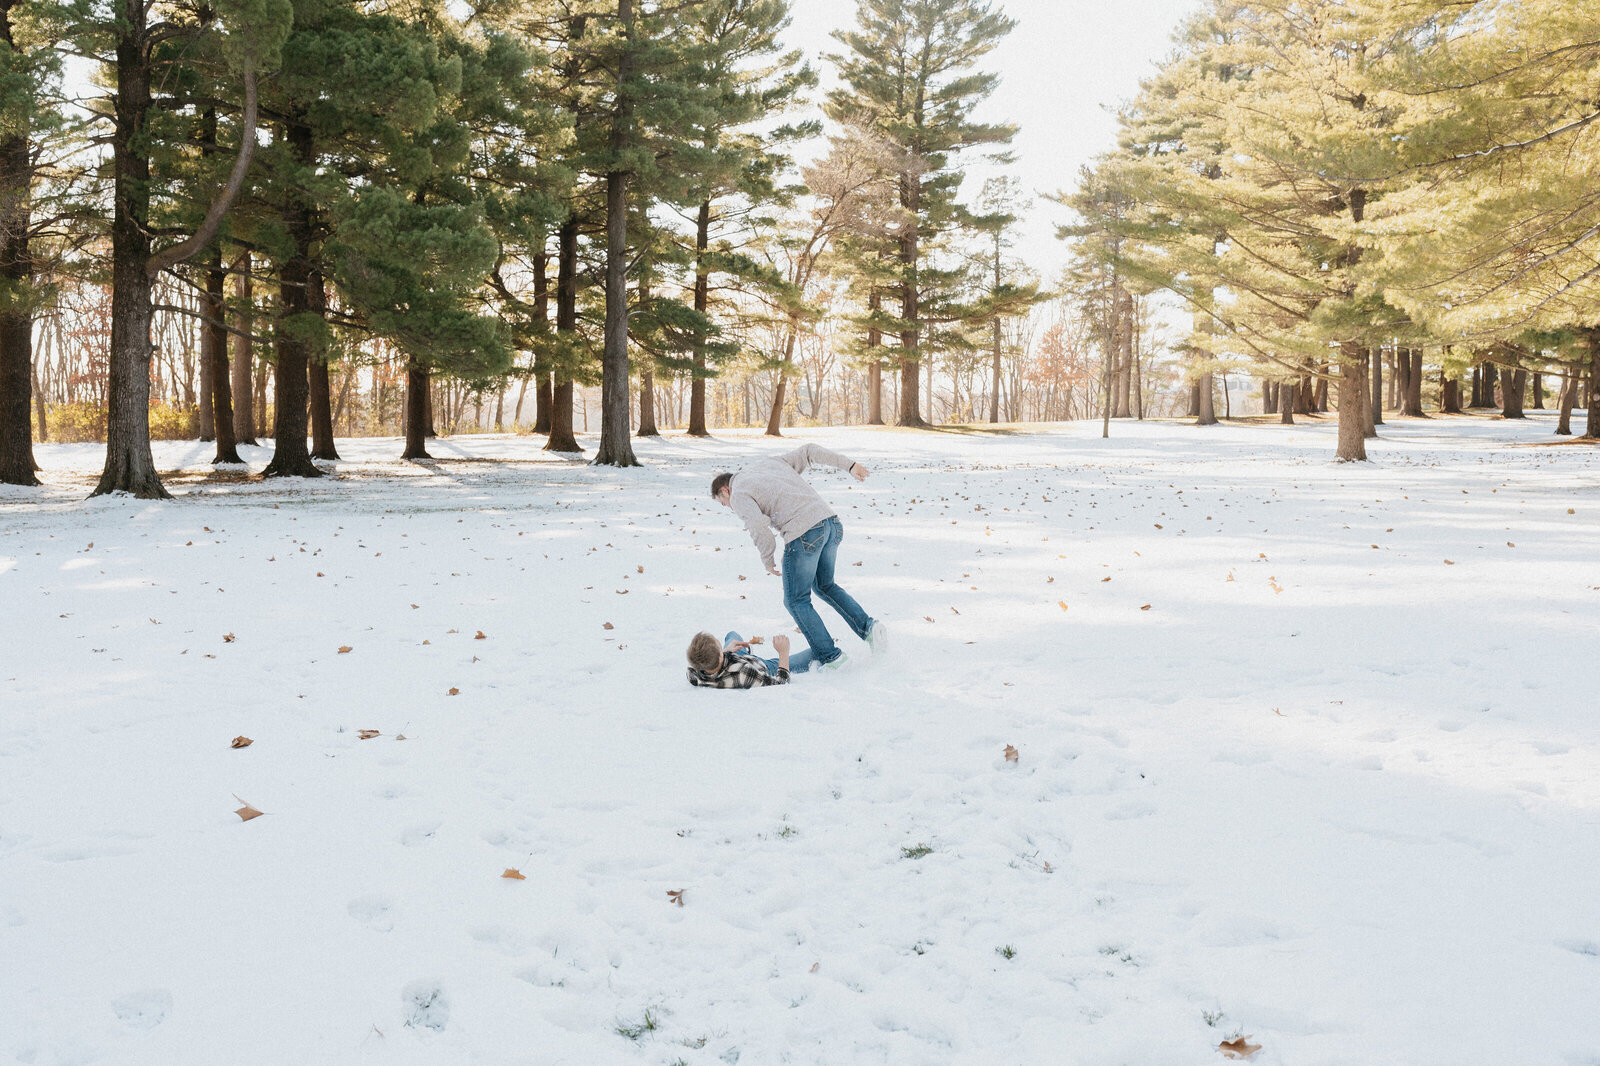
(780, 643)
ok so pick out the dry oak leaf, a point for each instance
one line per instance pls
(1061, 604)
(480, 636)
(607, 625)
(1011, 753)
(927, 618)
(246, 812)
(676, 896)
(241, 742)
(368, 734)
(1106, 578)
(345, 649)
(227, 638)
(514, 873)
(1146, 607)
(455, 692)
(1238, 1048)
(817, 965)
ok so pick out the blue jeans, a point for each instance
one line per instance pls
(808, 568)
(799, 662)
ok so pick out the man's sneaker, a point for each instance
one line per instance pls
(836, 663)
(878, 637)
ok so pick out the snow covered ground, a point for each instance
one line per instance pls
(1303, 755)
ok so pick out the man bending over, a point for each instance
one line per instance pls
(771, 495)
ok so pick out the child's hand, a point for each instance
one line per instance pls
(780, 643)
(739, 645)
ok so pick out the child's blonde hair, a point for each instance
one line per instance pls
(705, 653)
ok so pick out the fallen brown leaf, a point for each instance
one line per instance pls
(608, 625)
(675, 895)
(1061, 604)
(1146, 607)
(1239, 1048)
(480, 636)
(815, 965)
(455, 692)
(241, 742)
(246, 812)
(227, 638)
(345, 649)
(514, 873)
(1011, 753)
(368, 734)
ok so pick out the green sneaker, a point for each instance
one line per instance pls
(878, 637)
(837, 663)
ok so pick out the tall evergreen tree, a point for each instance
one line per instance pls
(141, 56)
(907, 74)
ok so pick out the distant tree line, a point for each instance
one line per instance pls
(1361, 197)
(277, 218)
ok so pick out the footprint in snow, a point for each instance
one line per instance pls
(417, 835)
(375, 912)
(423, 1005)
(143, 1010)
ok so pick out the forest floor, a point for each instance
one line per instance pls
(1307, 764)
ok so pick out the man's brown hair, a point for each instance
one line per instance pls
(720, 482)
(705, 653)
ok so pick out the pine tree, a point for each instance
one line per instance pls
(139, 53)
(28, 66)
(907, 75)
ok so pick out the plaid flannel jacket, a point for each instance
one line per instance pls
(739, 671)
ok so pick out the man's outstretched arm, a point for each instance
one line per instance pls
(806, 456)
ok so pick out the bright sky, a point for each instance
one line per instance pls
(1064, 65)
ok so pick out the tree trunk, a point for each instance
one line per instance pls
(562, 438)
(781, 390)
(1400, 385)
(1269, 397)
(542, 395)
(207, 412)
(1375, 358)
(1489, 376)
(429, 429)
(291, 381)
(1592, 430)
(244, 414)
(1538, 392)
(130, 467)
(322, 446)
(1285, 405)
(1207, 415)
(875, 365)
(214, 353)
(1412, 400)
(1353, 405)
(1477, 386)
(1124, 353)
(994, 386)
(16, 317)
(910, 413)
(647, 404)
(702, 301)
(1569, 396)
(1513, 383)
(616, 446)
(1449, 394)
(416, 420)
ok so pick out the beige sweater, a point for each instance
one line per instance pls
(772, 495)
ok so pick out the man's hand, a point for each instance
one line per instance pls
(859, 472)
(774, 571)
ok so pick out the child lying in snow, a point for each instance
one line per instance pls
(731, 665)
